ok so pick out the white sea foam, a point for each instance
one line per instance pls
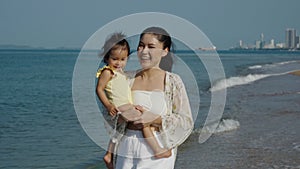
(255, 67)
(227, 125)
(223, 126)
(272, 65)
(240, 80)
(296, 147)
(287, 62)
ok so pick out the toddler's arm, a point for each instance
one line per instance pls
(104, 78)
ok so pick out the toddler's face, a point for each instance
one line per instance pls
(118, 58)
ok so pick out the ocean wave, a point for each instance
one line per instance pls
(296, 147)
(223, 126)
(240, 80)
(272, 65)
(255, 67)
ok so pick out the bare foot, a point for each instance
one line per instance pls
(164, 153)
(108, 159)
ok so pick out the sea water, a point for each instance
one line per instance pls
(259, 127)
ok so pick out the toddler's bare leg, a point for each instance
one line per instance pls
(125, 107)
(108, 157)
(151, 140)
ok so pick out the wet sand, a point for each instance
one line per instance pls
(296, 73)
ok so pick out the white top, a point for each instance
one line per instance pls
(177, 122)
(153, 101)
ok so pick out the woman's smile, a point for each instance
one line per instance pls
(145, 57)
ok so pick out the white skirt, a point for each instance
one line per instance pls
(135, 153)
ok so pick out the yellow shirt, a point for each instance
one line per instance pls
(117, 89)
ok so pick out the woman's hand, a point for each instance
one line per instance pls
(146, 119)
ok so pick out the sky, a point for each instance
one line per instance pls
(70, 23)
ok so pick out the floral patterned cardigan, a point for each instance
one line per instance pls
(177, 123)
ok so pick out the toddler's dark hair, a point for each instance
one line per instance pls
(114, 41)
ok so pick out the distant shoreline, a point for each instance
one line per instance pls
(40, 49)
(176, 51)
(272, 49)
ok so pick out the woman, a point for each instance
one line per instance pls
(162, 98)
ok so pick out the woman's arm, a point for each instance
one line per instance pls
(147, 119)
(178, 123)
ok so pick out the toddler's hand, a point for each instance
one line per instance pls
(113, 111)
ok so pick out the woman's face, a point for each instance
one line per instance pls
(150, 51)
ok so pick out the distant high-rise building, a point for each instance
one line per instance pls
(241, 44)
(258, 44)
(271, 45)
(290, 38)
(262, 37)
(272, 42)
